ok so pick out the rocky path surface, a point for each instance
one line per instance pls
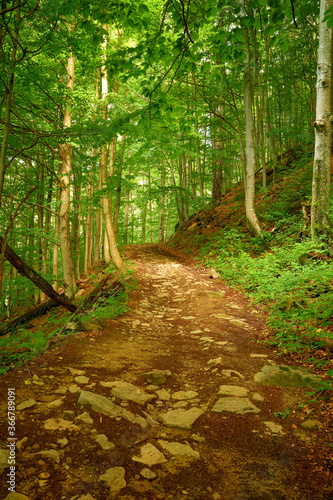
(174, 400)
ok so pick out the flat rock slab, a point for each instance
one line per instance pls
(184, 395)
(183, 450)
(114, 478)
(232, 390)
(26, 404)
(235, 405)
(286, 376)
(129, 392)
(180, 418)
(150, 455)
(102, 404)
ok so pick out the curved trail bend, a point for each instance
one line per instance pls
(92, 427)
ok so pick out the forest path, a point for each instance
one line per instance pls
(91, 426)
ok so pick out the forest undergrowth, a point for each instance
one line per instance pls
(99, 303)
(286, 273)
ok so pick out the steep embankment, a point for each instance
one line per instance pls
(165, 403)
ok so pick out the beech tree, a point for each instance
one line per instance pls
(320, 219)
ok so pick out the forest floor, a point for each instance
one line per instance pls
(90, 426)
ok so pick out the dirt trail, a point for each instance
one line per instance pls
(175, 439)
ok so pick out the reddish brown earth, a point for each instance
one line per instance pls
(170, 312)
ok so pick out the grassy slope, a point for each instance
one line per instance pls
(285, 272)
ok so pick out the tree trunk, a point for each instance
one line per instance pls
(116, 259)
(65, 153)
(251, 217)
(320, 222)
(27, 271)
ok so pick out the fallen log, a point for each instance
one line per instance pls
(33, 312)
(33, 276)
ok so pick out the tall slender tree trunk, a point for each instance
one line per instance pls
(320, 221)
(65, 153)
(8, 101)
(115, 256)
(162, 208)
(251, 217)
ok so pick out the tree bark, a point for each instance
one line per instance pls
(29, 273)
(320, 222)
(251, 217)
(65, 153)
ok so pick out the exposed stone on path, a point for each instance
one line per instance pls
(275, 428)
(102, 404)
(184, 395)
(175, 448)
(215, 362)
(235, 405)
(29, 403)
(104, 443)
(148, 474)
(53, 454)
(158, 377)
(311, 425)
(232, 390)
(232, 374)
(13, 495)
(150, 455)
(59, 424)
(4, 455)
(128, 392)
(114, 478)
(286, 376)
(81, 379)
(85, 418)
(182, 419)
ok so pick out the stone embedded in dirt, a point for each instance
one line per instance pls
(101, 404)
(19, 444)
(85, 418)
(286, 376)
(29, 403)
(215, 362)
(239, 322)
(175, 448)
(158, 377)
(59, 424)
(148, 474)
(53, 454)
(75, 371)
(150, 455)
(62, 442)
(104, 443)
(206, 339)
(4, 455)
(257, 397)
(89, 326)
(311, 425)
(56, 403)
(213, 274)
(13, 495)
(254, 355)
(114, 478)
(232, 390)
(163, 395)
(232, 374)
(180, 404)
(182, 419)
(81, 379)
(61, 390)
(274, 428)
(129, 392)
(197, 438)
(73, 388)
(235, 405)
(184, 395)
